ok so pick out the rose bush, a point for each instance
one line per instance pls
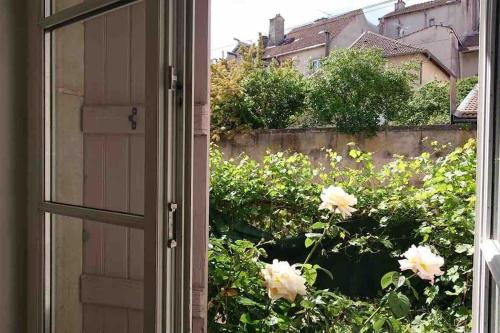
(265, 211)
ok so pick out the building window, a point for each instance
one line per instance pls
(400, 31)
(315, 63)
(432, 22)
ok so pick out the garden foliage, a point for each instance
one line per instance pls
(269, 210)
(355, 90)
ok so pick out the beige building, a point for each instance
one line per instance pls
(309, 43)
(398, 53)
(447, 28)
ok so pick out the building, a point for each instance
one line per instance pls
(397, 53)
(447, 28)
(467, 110)
(309, 43)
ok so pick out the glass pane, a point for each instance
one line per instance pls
(97, 112)
(58, 5)
(97, 277)
(495, 308)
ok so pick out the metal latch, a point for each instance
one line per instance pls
(173, 78)
(171, 242)
(132, 118)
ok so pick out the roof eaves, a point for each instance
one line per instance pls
(420, 7)
(294, 51)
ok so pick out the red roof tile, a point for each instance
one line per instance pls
(310, 35)
(389, 46)
(469, 106)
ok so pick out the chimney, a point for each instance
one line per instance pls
(276, 30)
(400, 4)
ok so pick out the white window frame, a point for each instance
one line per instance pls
(487, 235)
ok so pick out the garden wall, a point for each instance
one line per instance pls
(407, 141)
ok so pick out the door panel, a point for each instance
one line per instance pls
(98, 161)
(113, 124)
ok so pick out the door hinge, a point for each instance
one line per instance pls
(171, 242)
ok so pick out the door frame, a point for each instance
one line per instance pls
(487, 235)
(169, 155)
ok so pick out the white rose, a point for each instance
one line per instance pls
(423, 262)
(336, 200)
(283, 281)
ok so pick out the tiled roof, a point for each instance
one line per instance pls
(393, 48)
(310, 35)
(420, 6)
(469, 106)
(389, 46)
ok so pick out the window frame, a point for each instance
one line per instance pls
(486, 242)
(168, 176)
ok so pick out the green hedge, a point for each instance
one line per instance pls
(270, 206)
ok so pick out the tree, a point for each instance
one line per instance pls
(273, 95)
(250, 93)
(430, 104)
(227, 95)
(464, 86)
(356, 90)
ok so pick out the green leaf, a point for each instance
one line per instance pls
(378, 324)
(308, 242)
(313, 235)
(399, 304)
(324, 270)
(309, 273)
(386, 280)
(401, 280)
(318, 225)
(307, 304)
(247, 301)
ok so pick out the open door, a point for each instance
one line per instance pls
(112, 249)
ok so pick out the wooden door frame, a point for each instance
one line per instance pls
(170, 110)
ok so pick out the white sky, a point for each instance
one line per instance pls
(244, 19)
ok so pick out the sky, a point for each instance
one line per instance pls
(244, 19)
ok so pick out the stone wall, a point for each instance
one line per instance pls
(407, 141)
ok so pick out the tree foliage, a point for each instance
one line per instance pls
(274, 94)
(250, 93)
(356, 90)
(227, 94)
(430, 103)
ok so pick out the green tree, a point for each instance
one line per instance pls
(464, 86)
(274, 94)
(356, 90)
(227, 97)
(429, 105)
